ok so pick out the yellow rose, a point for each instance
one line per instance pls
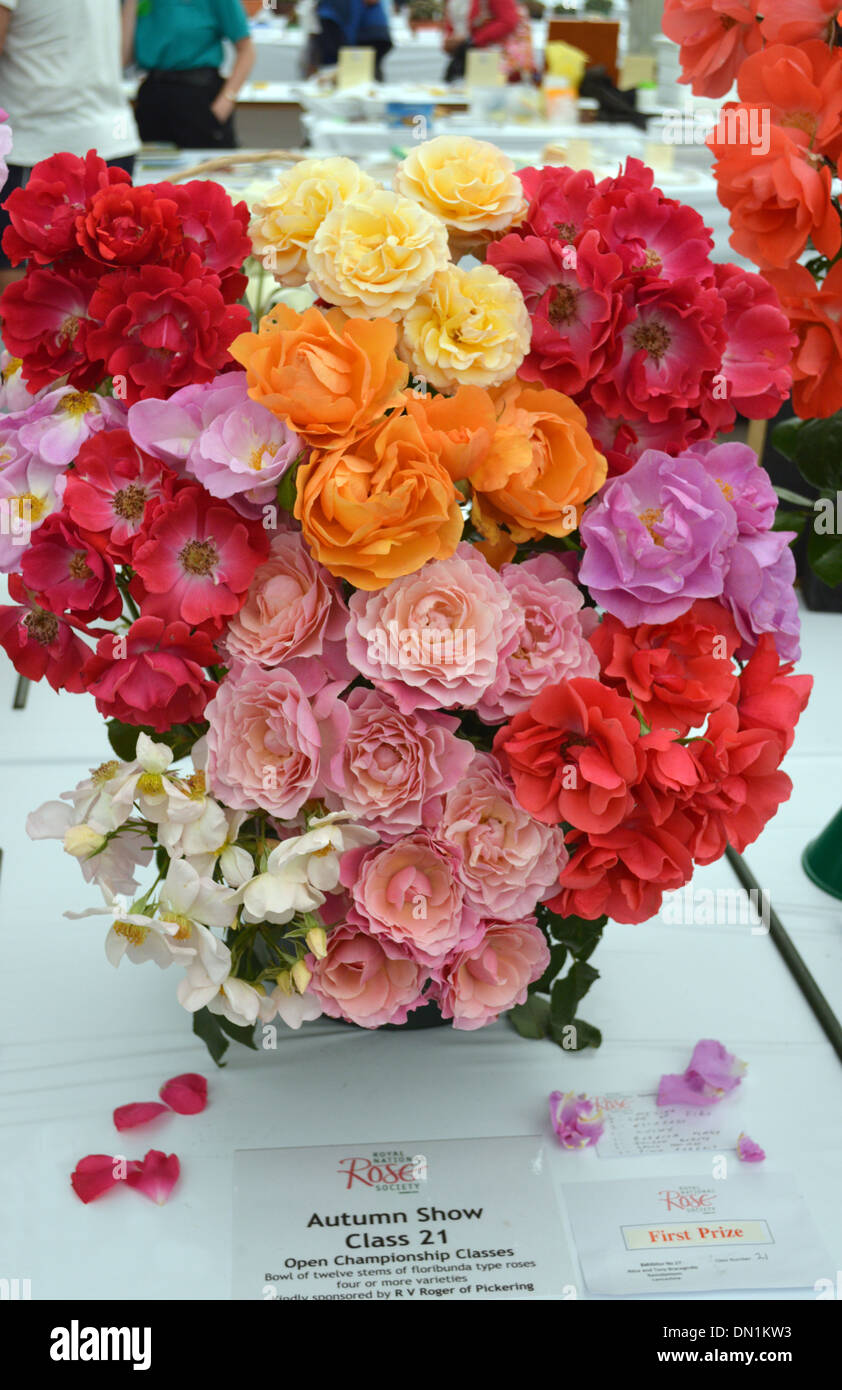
(375, 256)
(289, 214)
(470, 328)
(470, 184)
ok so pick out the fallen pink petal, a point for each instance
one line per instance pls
(712, 1073)
(155, 1176)
(748, 1151)
(186, 1094)
(138, 1113)
(96, 1174)
(576, 1119)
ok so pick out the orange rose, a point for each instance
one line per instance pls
(778, 196)
(457, 429)
(802, 88)
(541, 469)
(815, 312)
(329, 377)
(380, 507)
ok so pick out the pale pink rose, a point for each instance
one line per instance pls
(480, 983)
(509, 860)
(263, 744)
(389, 769)
(551, 638)
(410, 892)
(366, 981)
(294, 609)
(434, 638)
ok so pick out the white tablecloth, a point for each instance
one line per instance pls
(78, 1038)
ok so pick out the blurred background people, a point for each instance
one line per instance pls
(184, 99)
(353, 24)
(61, 83)
(486, 24)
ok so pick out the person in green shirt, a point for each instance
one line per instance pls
(184, 100)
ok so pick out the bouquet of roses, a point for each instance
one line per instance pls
(334, 581)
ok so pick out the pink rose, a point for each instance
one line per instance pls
(434, 638)
(366, 981)
(263, 742)
(551, 637)
(390, 769)
(293, 609)
(509, 860)
(410, 892)
(480, 983)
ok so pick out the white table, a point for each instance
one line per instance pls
(78, 1038)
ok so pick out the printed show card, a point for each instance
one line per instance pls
(694, 1235)
(636, 1125)
(451, 1219)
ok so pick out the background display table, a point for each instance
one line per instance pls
(78, 1038)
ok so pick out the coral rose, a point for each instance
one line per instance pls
(802, 87)
(469, 184)
(376, 255)
(379, 508)
(715, 38)
(327, 376)
(778, 200)
(741, 785)
(482, 982)
(366, 981)
(815, 312)
(542, 466)
(625, 872)
(770, 696)
(793, 21)
(458, 428)
(287, 216)
(469, 328)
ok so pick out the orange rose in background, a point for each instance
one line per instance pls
(458, 429)
(379, 507)
(327, 376)
(815, 313)
(777, 195)
(802, 88)
(541, 469)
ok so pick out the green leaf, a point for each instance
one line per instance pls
(180, 738)
(566, 994)
(207, 1027)
(558, 955)
(816, 447)
(243, 1035)
(785, 495)
(532, 1019)
(287, 489)
(825, 556)
(123, 739)
(580, 935)
(789, 521)
(785, 437)
(580, 1035)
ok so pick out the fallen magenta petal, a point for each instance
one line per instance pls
(577, 1120)
(187, 1094)
(94, 1175)
(155, 1176)
(713, 1071)
(138, 1113)
(748, 1151)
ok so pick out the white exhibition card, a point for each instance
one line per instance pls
(450, 1219)
(635, 1125)
(750, 1230)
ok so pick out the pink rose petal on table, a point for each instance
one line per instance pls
(577, 1120)
(138, 1113)
(95, 1174)
(155, 1176)
(748, 1151)
(711, 1074)
(186, 1094)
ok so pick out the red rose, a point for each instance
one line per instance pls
(65, 569)
(158, 680)
(123, 225)
(46, 324)
(40, 643)
(677, 672)
(625, 872)
(161, 329)
(43, 214)
(574, 754)
(216, 228)
(769, 696)
(740, 784)
(669, 777)
(112, 488)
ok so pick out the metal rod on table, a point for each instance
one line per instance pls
(792, 958)
(21, 692)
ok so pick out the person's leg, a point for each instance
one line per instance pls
(152, 112)
(17, 179)
(331, 39)
(125, 161)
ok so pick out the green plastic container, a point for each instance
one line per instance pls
(822, 859)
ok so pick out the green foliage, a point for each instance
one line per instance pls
(214, 1030)
(180, 738)
(815, 447)
(555, 1018)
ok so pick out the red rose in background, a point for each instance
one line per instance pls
(66, 571)
(200, 555)
(622, 441)
(758, 355)
(558, 201)
(110, 489)
(653, 235)
(715, 36)
(626, 871)
(216, 228)
(157, 680)
(815, 312)
(574, 754)
(46, 324)
(740, 784)
(44, 213)
(769, 696)
(125, 226)
(41, 644)
(677, 672)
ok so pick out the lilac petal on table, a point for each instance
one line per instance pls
(748, 1151)
(139, 1112)
(713, 1071)
(576, 1119)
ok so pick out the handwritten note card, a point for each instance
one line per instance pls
(635, 1125)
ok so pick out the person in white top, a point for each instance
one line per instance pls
(61, 83)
